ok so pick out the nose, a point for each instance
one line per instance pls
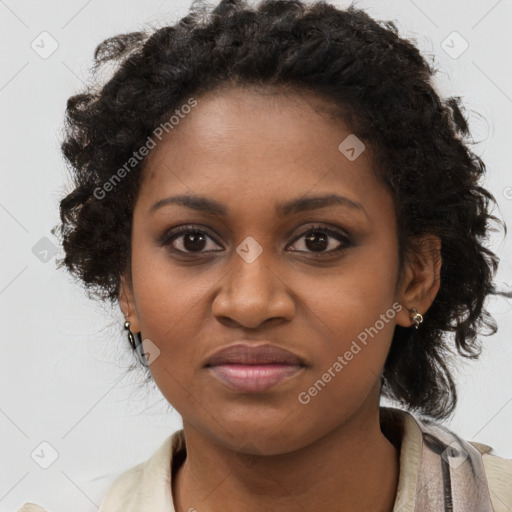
(253, 293)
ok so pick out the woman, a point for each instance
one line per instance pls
(292, 223)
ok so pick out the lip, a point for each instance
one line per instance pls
(246, 367)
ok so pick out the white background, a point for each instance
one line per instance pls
(64, 359)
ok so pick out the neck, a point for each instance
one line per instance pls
(354, 467)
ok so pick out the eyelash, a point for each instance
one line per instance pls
(170, 236)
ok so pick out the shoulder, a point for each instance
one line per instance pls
(498, 471)
(125, 487)
(436, 463)
(120, 494)
(474, 467)
(145, 484)
(31, 507)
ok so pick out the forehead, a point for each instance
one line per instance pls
(245, 144)
(245, 121)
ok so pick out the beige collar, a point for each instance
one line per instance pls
(428, 480)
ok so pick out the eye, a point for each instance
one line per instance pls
(319, 240)
(188, 239)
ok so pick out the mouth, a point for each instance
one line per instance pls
(245, 367)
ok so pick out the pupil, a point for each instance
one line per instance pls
(314, 237)
(196, 238)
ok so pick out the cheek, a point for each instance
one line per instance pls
(174, 312)
(349, 357)
(167, 296)
(353, 298)
(354, 316)
(354, 333)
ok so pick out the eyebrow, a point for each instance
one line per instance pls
(203, 204)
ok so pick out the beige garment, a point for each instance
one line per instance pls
(439, 472)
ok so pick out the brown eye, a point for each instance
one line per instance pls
(322, 240)
(189, 240)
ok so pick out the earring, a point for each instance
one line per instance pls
(416, 317)
(131, 336)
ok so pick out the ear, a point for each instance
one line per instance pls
(421, 278)
(127, 303)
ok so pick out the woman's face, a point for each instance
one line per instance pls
(256, 273)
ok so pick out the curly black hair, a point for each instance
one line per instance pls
(376, 81)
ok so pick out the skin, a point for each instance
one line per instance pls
(267, 451)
